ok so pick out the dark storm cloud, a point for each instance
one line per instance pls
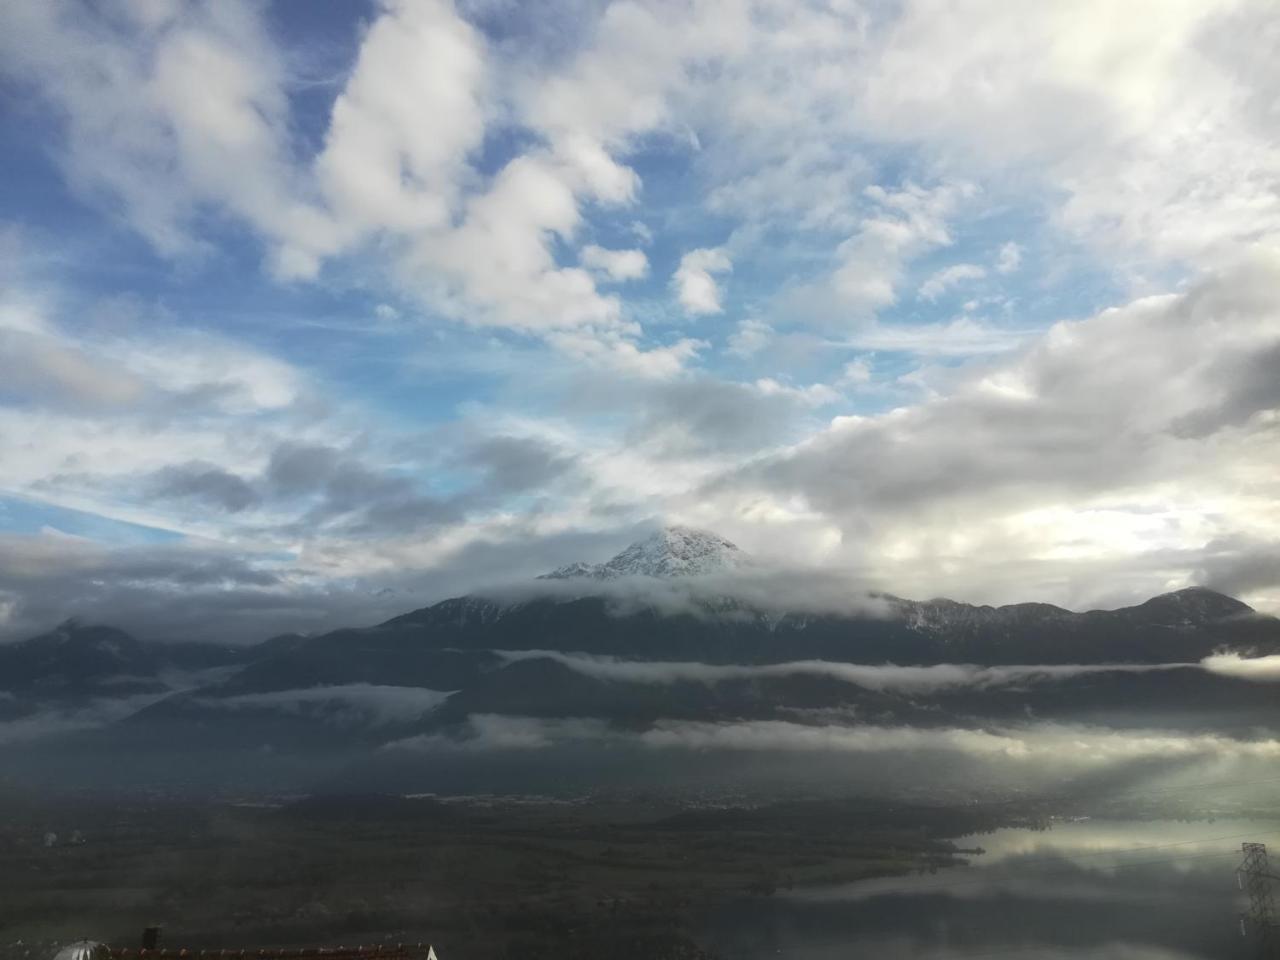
(1251, 384)
(343, 490)
(516, 464)
(1090, 407)
(30, 559)
(204, 482)
(160, 590)
(1239, 565)
(192, 591)
(297, 468)
(705, 415)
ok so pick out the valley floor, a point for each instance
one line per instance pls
(479, 879)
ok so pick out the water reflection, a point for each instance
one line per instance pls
(1080, 890)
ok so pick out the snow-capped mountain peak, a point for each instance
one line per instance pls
(674, 551)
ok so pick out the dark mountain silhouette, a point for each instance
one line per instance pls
(482, 655)
(76, 659)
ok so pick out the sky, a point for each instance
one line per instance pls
(314, 313)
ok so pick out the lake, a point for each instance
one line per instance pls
(1121, 890)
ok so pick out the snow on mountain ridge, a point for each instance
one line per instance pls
(674, 551)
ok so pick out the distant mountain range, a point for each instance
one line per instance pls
(608, 641)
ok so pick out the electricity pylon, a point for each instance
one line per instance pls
(1255, 877)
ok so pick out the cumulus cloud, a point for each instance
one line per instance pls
(750, 338)
(814, 395)
(694, 282)
(176, 114)
(856, 373)
(1088, 416)
(615, 264)
(166, 114)
(381, 167)
(204, 482)
(905, 223)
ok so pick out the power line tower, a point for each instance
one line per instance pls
(1255, 878)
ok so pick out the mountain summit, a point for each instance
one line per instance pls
(670, 552)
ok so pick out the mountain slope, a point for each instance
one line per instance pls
(77, 660)
(674, 551)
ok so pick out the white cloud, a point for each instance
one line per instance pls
(907, 679)
(626, 357)
(615, 264)
(948, 277)
(1074, 746)
(906, 223)
(1009, 258)
(1247, 668)
(1086, 453)
(696, 287)
(1146, 119)
(498, 266)
(750, 338)
(1077, 747)
(856, 373)
(960, 337)
(814, 395)
(167, 115)
(385, 165)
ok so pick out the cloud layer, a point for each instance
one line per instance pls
(1261, 669)
(905, 679)
(1071, 746)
